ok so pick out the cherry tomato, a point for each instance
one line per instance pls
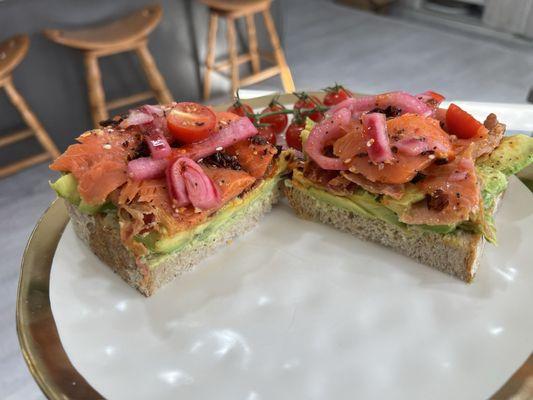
(439, 98)
(292, 136)
(279, 121)
(191, 122)
(460, 123)
(241, 109)
(336, 94)
(267, 131)
(305, 101)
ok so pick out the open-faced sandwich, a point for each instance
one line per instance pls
(399, 170)
(155, 191)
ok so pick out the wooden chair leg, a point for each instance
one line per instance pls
(31, 120)
(252, 43)
(232, 47)
(286, 77)
(210, 57)
(155, 79)
(95, 88)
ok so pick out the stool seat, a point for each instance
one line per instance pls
(129, 29)
(12, 51)
(129, 33)
(236, 5)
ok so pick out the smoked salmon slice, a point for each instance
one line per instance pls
(254, 158)
(231, 183)
(98, 162)
(352, 149)
(452, 193)
(146, 205)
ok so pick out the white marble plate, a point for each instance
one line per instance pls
(298, 310)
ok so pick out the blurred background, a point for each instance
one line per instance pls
(475, 50)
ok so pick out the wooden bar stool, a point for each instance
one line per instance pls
(126, 34)
(12, 52)
(232, 10)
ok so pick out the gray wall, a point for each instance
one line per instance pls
(51, 78)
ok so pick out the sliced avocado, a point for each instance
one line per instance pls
(438, 228)
(172, 243)
(371, 204)
(89, 208)
(513, 154)
(493, 182)
(338, 201)
(67, 188)
(410, 196)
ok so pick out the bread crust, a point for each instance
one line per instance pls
(456, 254)
(147, 274)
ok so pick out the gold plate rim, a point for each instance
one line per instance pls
(37, 332)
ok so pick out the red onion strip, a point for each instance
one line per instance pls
(159, 147)
(375, 132)
(189, 184)
(236, 131)
(406, 102)
(146, 168)
(324, 132)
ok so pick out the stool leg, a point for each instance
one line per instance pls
(156, 81)
(286, 77)
(232, 47)
(95, 88)
(31, 120)
(252, 39)
(210, 57)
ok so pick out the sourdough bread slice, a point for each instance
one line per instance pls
(455, 254)
(147, 274)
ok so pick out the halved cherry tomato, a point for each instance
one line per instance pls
(191, 122)
(292, 136)
(336, 94)
(267, 131)
(241, 109)
(460, 123)
(306, 101)
(279, 121)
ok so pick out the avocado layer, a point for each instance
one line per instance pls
(512, 155)
(367, 204)
(67, 187)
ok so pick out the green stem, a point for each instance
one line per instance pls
(286, 111)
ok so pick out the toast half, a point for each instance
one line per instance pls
(456, 254)
(102, 234)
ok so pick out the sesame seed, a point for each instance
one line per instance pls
(347, 161)
(370, 143)
(431, 156)
(107, 146)
(219, 148)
